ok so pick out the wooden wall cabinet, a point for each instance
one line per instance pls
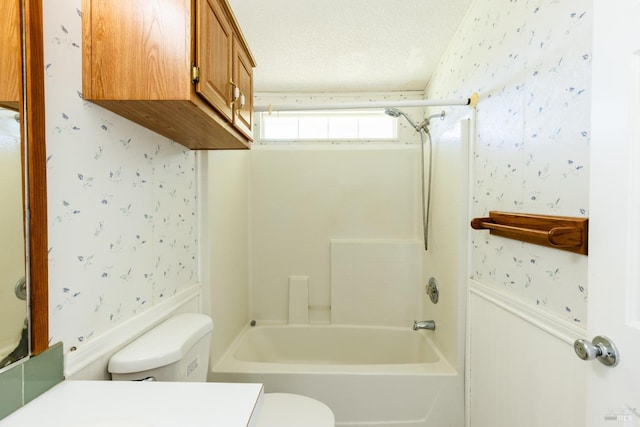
(10, 55)
(178, 67)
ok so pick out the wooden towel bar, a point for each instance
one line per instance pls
(560, 232)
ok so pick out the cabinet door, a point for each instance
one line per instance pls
(214, 44)
(136, 49)
(243, 78)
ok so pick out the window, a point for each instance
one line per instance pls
(327, 125)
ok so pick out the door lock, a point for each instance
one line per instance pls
(601, 348)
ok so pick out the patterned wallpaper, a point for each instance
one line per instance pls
(530, 61)
(122, 200)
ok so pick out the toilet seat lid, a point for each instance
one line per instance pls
(293, 410)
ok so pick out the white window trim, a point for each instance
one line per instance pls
(393, 136)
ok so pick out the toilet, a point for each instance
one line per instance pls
(178, 350)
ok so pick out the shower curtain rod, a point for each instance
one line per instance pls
(472, 101)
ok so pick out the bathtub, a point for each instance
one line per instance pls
(369, 376)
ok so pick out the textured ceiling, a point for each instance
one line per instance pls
(347, 45)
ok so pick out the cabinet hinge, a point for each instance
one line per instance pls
(195, 74)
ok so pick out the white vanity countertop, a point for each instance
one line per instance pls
(141, 404)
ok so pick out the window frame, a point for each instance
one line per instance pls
(360, 115)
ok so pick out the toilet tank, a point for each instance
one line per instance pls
(175, 350)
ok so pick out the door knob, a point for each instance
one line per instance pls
(601, 348)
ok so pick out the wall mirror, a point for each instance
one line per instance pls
(14, 343)
(14, 337)
(23, 224)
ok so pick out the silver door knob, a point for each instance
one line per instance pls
(601, 348)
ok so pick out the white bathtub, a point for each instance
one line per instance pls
(369, 376)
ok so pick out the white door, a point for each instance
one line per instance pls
(613, 394)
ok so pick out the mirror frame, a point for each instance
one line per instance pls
(33, 136)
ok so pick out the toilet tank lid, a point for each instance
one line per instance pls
(166, 343)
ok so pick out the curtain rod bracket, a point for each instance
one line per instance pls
(473, 100)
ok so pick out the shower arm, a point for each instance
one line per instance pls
(423, 125)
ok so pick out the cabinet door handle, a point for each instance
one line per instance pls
(235, 92)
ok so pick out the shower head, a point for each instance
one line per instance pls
(394, 112)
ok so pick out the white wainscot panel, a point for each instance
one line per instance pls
(522, 367)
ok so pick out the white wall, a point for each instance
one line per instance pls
(304, 195)
(227, 257)
(522, 367)
(301, 198)
(446, 259)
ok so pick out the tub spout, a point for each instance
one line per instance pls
(424, 324)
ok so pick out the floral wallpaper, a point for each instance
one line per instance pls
(530, 62)
(121, 200)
